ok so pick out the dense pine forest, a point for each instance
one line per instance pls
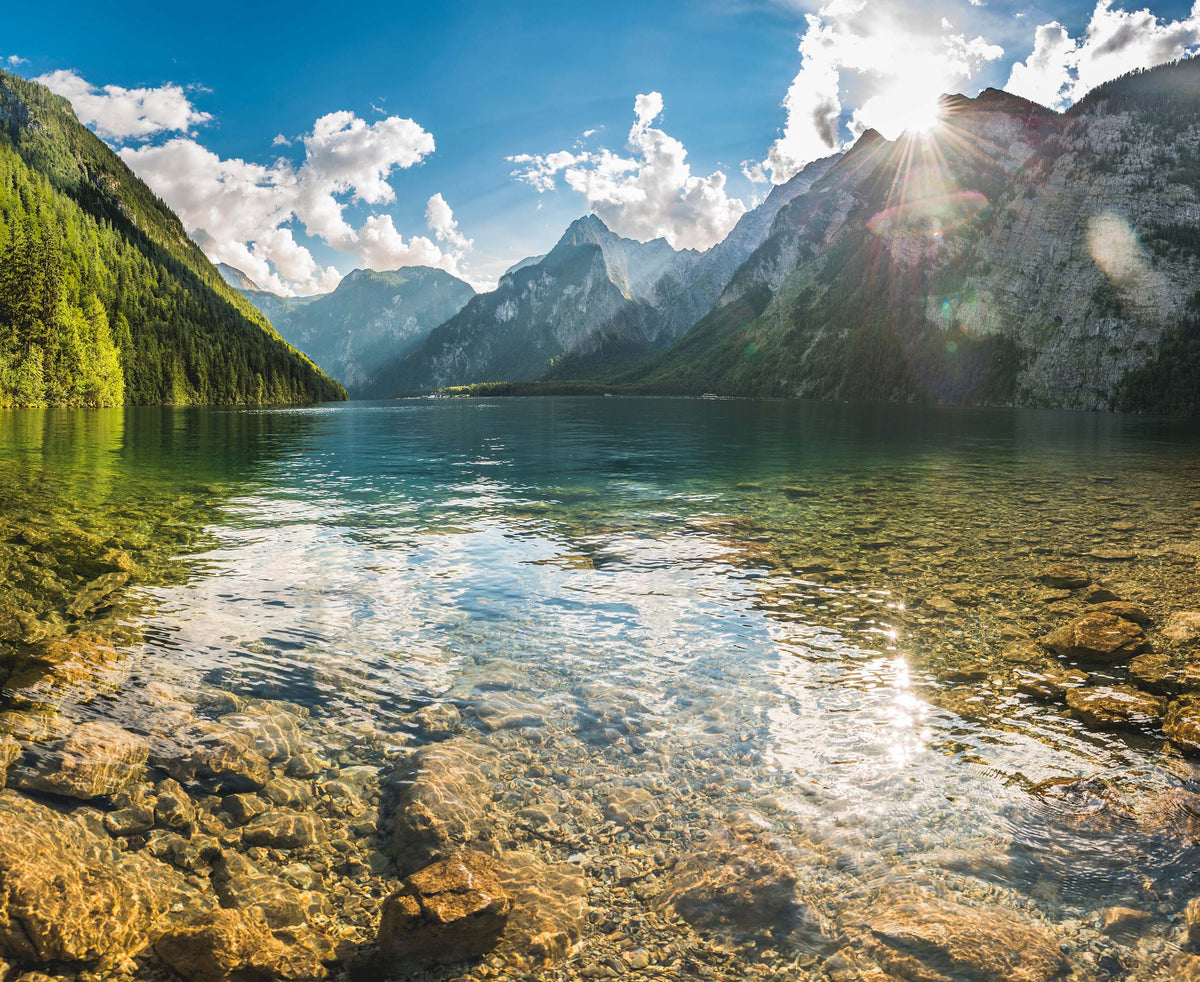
(103, 298)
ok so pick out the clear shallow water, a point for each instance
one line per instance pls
(789, 611)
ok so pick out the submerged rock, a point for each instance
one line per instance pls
(443, 803)
(1182, 725)
(1097, 636)
(225, 759)
(285, 829)
(740, 883)
(1061, 576)
(450, 911)
(941, 940)
(225, 945)
(1115, 706)
(96, 759)
(242, 885)
(549, 905)
(68, 894)
(1182, 627)
(1160, 672)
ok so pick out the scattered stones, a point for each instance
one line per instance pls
(1115, 706)
(96, 759)
(452, 910)
(1097, 636)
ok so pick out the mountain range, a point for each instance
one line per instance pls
(104, 300)
(1012, 255)
(360, 331)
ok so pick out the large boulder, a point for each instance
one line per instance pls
(96, 759)
(1097, 636)
(450, 911)
(234, 946)
(67, 893)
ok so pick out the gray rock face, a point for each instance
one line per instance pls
(1033, 259)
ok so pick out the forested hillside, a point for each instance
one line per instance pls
(103, 298)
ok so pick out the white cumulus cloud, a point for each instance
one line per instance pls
(649, 194)
(120, 114)
(242, 212)
(1061, 70)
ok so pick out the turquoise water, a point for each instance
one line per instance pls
(792, 610)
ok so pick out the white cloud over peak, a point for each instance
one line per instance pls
(241, 212)
(649, 194)
(1061, 70)
(901, 58)
(118, 114)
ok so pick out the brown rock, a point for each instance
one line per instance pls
(1160, 672)
(1097, 636)
(444, 803)
(931, 939)
(1061, 576)
(242, 808)
(1123, 609)
(285, 829)
(1115, 706)
(1182, 725)
(69, 894)
(224, 758)
(1182, 968)
(1191, 921)
(225, 945)
(96, 759)
(1115, 921)
(173, 808)
(450, 911)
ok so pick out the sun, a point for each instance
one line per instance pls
(910, 104)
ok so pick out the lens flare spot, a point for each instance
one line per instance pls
(929, 217)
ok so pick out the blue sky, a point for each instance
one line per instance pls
(489, 82)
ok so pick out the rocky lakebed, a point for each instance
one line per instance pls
(900, 723)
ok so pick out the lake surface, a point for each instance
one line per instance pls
(795, 640)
